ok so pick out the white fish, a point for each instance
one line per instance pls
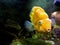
(53, 22)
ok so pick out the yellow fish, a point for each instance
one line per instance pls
(40, 19)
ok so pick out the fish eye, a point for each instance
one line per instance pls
(40, 22)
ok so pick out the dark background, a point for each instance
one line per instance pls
(16, 12)
(19, 10)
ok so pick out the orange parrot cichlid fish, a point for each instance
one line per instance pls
(40, 19)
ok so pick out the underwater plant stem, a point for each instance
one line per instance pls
(12, 34)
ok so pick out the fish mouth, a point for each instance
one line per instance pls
(49, 30)
(45, 30)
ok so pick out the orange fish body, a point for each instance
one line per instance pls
(40, 19)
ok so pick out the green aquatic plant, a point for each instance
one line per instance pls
(16, 42)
